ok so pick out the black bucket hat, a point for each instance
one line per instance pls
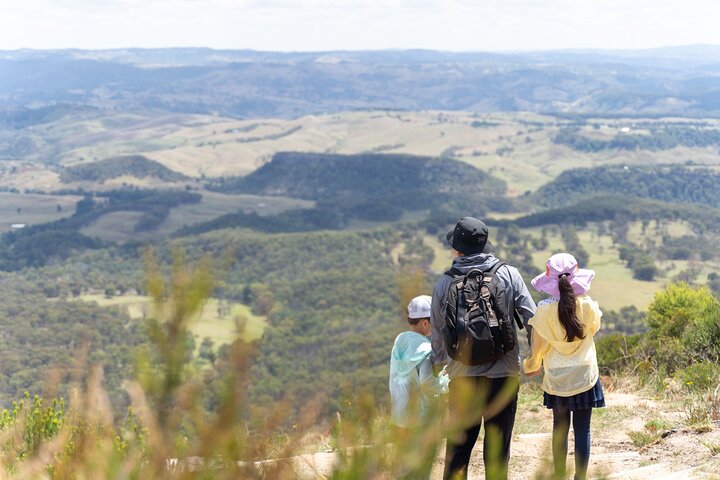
(469, 237)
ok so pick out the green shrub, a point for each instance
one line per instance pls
(643, 439)
(678, 306)
(652, 433)
(36, 420)
(699, 376)
(684, 324)
(615, 351)
(656, 425)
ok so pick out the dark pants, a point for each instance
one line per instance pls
(471, 401)
(581, 428)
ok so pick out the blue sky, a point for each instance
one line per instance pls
(287, 25)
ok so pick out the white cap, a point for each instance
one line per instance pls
(419, 307)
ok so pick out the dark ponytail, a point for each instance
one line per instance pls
(567, 310)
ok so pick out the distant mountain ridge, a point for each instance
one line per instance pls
(248, 84)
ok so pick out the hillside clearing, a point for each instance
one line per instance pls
(218, 319)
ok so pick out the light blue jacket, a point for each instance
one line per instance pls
(412, 379)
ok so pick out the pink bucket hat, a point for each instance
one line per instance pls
(558, 264)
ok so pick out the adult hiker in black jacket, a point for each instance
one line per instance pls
(479, 392)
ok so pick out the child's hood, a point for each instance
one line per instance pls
(548, 326)
(409, 351)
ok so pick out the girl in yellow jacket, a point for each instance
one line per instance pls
(563, 346)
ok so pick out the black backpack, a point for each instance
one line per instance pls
(478, 326)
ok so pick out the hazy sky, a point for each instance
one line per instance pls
(459, 25)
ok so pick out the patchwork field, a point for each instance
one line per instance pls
(517, 147)
(119, 226)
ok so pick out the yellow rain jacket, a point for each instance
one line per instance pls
(570, 367)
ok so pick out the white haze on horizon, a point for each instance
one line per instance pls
(318, 25)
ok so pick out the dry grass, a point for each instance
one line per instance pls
(33, 209)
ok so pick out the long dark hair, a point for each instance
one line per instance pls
(567, 310)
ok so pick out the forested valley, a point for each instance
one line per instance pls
(287, 262)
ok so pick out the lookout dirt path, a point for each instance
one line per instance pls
(682, 454)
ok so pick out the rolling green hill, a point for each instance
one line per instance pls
(364, 187)
(672, 183)
(130, 165)
(313, 176)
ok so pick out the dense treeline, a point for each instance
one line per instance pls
(622, 207)
(677, 184)
(659, 138)
(331, 299)
(301, 220)
(333, 306)
(137, 166)
(315, 176)
(327, 215)
(42, 338)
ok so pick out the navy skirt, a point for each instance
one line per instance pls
(592, 398)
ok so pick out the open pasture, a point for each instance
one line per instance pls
(32, 209)
(218, 319)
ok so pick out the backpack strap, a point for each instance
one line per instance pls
(495, 268)
(518, 319)
(516, 315)
(455, 272)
